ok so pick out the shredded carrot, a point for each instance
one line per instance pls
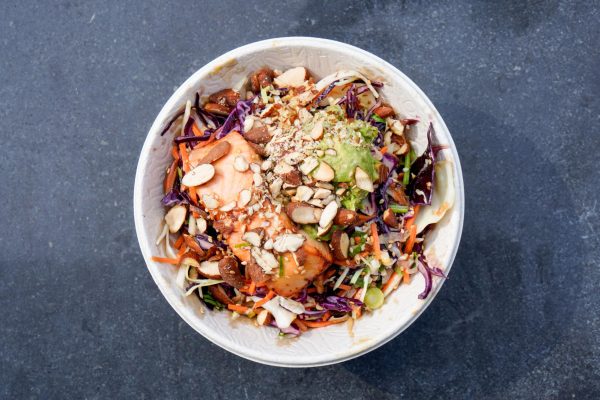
(178, 242)
(252, 288)
(166, 260)
(411, 239)
(411, 221)
(384, 150)
(268, 297)
(345, 287)
(389, 282)
(357, 240)
(238, 308)
(375, 236)
(196, 130)
(358, 312)
(193, 196)
(300, 324)
(326, 316)
(357, 294)
(181, 251)
(320, 324)
(184, 157)
(405, 276)
(174, 152)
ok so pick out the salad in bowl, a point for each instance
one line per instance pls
(298, 202)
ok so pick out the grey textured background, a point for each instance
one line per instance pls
(517, 83)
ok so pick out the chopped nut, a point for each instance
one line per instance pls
(210, 202)
(340, 243)
(199, 175)
(363, 181)
(317, 131)
(240, 163)
(302, 213)
(328, 214)
(275, 187)
(255, 168)
(175, 218)
(244, 198)
(252, 237)
(266, 165)
(321, 193)
(288, 242)
(324, 172)
(228, 207)
(308, 165)
(303, 193)
(219, 150)
(248, 122)
(293, 77)
(258, 180)
(225, 97)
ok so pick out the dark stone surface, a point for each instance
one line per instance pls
(518, 85)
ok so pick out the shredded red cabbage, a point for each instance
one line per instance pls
(206, 243)
(420, 187)
(338, 303)
(235, 119)
(175, 197)
(166, 128)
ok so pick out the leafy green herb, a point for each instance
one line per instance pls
(243, 244)
(378, 118)
(208, 299)
(406, 169)
(353, 198)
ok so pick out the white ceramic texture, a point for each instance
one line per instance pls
(320, 346)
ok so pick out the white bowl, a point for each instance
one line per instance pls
(319, 346)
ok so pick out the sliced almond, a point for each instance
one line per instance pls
(266, 165)
(325, 185)
(283, 168)
(259, 134)
(293, 77)
(303, 193)
(265, 259)
(317, 131)
(255, 168)
(244, 198)
(264, 318)
(248, 122)
(228, 207)
(175, 218)
(210, 202)
(324, 172)
(308, 165)
(268, 245)
(340, 191)
(288, 242)
(201, 225)
(340, 243)
(328, 214)
(275, 187)
(209, 269)
(190, 258)
(302, 213)
(321, 193)
(328, 199)
(293, 158)
(199, 175)
(252, 237)
(240, 163)
(362, 180)
(219, 150)
(257, 178)
(316, 203)
(323, 231)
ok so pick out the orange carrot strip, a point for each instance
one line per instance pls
(268, 297)
(193, 196)
(405, 276)
(174, 152)
(178, 242)
(181, 251)
(329, 273)
(345, 287)
(384, 150)
(375, 236)
(252, 288)
(196, 130)
(411, 221)
(320, 324)
(184, 157)
(300, 324)
(411, 239)
(389, 282)
(166, 260)
(237, 308)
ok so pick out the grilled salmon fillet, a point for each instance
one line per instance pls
(301, 266)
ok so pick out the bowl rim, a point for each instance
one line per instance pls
(297, 41)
